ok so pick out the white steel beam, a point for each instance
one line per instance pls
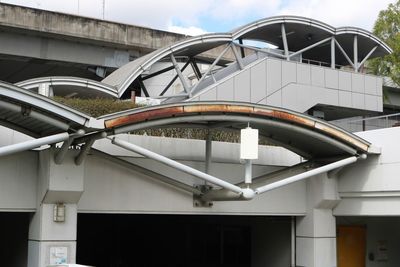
(305, 175)
(177, 165)
(208, 152)
(210, 68)
(310, 47)
(180, 75)
(355, 53)
(260, 50)
(344, 53)
(284, 40)
(237, 57)
(333, 56)
(31, 144)
(367, 56)
(59, 157)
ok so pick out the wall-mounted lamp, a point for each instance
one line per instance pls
(59, 212)
(248, 150)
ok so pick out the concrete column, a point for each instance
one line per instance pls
(316, 232)
(51, 241)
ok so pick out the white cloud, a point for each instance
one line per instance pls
(191, 31)
(189, 16)
(358, 13)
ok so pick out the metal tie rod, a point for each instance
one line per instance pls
(174, 164)
(304, 175)
(27, 145)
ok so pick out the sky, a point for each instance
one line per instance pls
(194, 17)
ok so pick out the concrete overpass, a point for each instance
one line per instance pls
(37, 43)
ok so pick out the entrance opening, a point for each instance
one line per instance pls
(14, 239)
(183, 240)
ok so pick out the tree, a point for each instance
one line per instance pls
(387, 28)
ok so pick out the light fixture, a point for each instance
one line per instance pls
(59, 212)
(248, 150)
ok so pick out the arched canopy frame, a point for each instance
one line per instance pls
(295, 36)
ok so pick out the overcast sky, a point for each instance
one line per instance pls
(194, 17)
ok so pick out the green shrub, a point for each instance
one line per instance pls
(101, 106)
(96, 107)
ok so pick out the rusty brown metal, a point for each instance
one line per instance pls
(185, 109)
(143, 116)
(220, 108)
(284, 116)
(341, 135)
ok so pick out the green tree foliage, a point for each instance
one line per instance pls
(387, 28)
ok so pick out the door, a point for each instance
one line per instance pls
(351, 246)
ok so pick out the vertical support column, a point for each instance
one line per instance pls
(208, 152)
(52, 232)
(51, 242)
(316, 232)
(355, 53)
(248, 172)
(284, 40)
(333, 56)
(45, 89)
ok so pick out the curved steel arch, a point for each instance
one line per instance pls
(263, 23)
(124, 76)
(295, 131)
(81, 83)
(37, 116)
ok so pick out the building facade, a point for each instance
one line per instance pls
(93, 190)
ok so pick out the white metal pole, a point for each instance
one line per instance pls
(208, 152)
(306, 175)
(284, 40)
(175, 164)
(27, 145)
(248, 172)
(333, 56)
(355, 53)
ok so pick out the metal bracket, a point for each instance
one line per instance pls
(198, 202)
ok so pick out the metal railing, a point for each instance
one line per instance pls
(371, 123)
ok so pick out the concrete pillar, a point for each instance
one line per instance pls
(316, 232)
(52, 240)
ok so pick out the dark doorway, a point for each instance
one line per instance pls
(14, 238)
(166, 240)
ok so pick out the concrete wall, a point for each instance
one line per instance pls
(107, 33)
(298, 86)
(123, 190)
(372, 187)
(112, 188)
(176, 148)
(18, 180)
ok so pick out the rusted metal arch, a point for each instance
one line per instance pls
(205, 112)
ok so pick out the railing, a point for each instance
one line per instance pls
(371, 123)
